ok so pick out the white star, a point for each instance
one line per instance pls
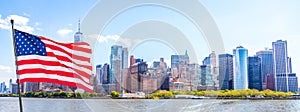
(23, 49)
(22, 42)
(25, 45)
(25, 52)
(36, 52)
(19, 39)
(34, 49)
(30, 52)
(30, 45)
(27, 48)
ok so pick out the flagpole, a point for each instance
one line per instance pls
(15, 52)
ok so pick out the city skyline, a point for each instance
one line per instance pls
(44, 24)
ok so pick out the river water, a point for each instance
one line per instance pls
(8, 104)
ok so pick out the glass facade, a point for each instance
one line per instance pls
(240, 55)
(280, 65)
(254, 73)
(266, 57)
(226, 71)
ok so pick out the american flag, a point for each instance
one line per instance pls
(40, 59)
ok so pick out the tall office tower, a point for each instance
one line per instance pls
(119, 61)
(240, 81)
(125, 58)
(254, 73)
(99, 75)
(281, 71)
(10, 85)
(226, 71)
(107, 77)
(78, 35)
(266, 57)
(116, 62)
(211, 62)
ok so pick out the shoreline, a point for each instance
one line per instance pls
(206, 98)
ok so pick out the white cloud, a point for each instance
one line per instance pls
(26, 14)
(105, 39)
(126, 42)
(64, 32)
(37, 24)
(6, 69)
(20, 22)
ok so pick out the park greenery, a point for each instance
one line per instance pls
(114, 94)
(223, 94)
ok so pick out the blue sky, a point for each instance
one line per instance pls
(253, 24)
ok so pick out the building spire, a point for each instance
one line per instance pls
(79, 25)
(186, 53)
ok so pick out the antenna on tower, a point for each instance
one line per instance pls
(79, 25)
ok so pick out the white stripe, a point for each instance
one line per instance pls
(59, 53)
(83, 46)
(53, 68)
(54, 76)
(79, 53)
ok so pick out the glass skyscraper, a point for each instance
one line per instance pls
(254, 73)
(240, 56)
(266, 57)
(226, 71)
(280, 58)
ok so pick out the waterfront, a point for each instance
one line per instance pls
(9, 104)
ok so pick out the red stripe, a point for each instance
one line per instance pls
(71, 46)
(51, 72)
(84, 87)
(82, 58)
(62, 58)
(51, 63)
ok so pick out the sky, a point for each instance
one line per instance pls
(253, 24)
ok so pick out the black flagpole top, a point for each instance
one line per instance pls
(12, 21)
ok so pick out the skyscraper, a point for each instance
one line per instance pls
(280, 58)
(116, 62)
(125, 58)
(107, 77)
(240, 55)
(99, 74)
(119, 61)
(78, 35)
(226, 71)
(266, 57)
(254, 73)
(211, 62)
